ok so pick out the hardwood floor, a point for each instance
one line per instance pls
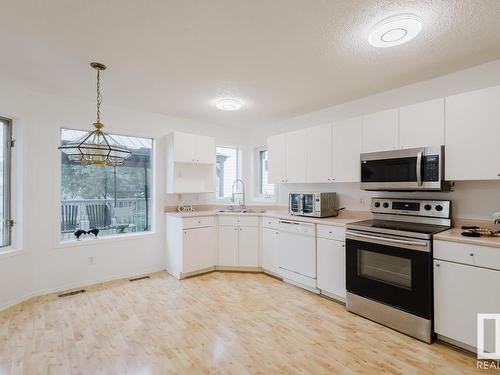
(220, 323)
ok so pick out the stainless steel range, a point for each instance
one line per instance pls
(389, 263)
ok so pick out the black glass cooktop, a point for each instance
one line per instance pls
(389, 226)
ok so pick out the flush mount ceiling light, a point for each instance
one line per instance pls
(395, 30)
(96, 147)
(228, 104)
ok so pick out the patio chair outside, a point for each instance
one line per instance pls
(99, 216)
(123, 218)
(69, 218)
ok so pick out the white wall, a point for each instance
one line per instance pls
(470, 199)
(43, 265)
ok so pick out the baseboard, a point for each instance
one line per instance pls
(82, 284)
(238, 269)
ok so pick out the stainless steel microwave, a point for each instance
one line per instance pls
(312, 204)
(412, 169)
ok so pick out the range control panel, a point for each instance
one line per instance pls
(414, 207)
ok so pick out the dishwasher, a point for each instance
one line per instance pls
(298, 254)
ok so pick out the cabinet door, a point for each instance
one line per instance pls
(228, 246)
(460, 293)
(198, 249)
(184, 146)
(319, 153)
(296, 156)
(380, 131)
(472, 125)
(270, 250)
(248, 247)
(331, 267)
(276, 146)
(422, 124)
(205, 149)
(347, 136)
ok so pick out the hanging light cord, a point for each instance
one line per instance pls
(99, 96)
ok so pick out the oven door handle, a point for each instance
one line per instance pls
(387, 239)
(419, 168)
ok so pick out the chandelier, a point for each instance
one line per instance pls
(96, 147)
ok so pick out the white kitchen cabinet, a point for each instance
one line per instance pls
(380, 131)
(347, 136)
(271, 250)
(191, 245)
(228, 246)
(460, 293)
(422, 124)
(199, 245)
(193, 148)
(472, 134)
(296, 156)
(248, 247)
(331, 267)
(319, 153)
(238, 241)
(276, 146)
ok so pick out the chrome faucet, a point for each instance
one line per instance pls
(235, 192)
(496, 217)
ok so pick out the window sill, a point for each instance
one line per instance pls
(100, 240)
(7, 253)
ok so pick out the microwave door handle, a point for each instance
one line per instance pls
(419, 168)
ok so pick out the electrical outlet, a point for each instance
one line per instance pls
(91, 260)
(362, 201)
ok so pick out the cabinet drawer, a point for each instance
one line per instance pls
(198, 222)
(243, 221)
(473, 255)
(270, 222)
(331, 232)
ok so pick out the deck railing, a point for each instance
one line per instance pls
(139, 212)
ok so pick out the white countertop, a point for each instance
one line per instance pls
(341, 220)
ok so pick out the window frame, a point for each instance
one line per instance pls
(258, 178)
(7, 181)
(239, 169)
(65, 243)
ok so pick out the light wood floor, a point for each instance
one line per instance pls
(219, 323)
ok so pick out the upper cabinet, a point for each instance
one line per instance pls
(380, 131)
(347, 137)
(276, 146)
(193, 148)
(296, 156)
(422, 124)
(472, 135)
(319, 153)
(190, 163)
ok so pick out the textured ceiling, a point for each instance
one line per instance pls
(282, 57)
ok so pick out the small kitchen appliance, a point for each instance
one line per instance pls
(312, 204)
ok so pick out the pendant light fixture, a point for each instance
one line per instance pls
(96, 147)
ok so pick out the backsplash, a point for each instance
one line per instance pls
(470, 199)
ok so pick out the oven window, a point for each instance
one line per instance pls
(308, 203)
(295, 202)
(389, 170)
(385, 268)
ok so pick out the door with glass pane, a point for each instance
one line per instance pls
(393, 275)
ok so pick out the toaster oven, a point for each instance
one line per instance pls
(312, 204)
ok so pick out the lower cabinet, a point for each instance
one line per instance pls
(238, 246)
(460, 293)
(331, 267)
(271, 250)
(199, 249)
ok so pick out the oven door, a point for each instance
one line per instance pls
(390, 269)
(295, 204)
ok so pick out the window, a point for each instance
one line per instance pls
(5, 183)
(227, 170)
(265, 189)
(115, 200)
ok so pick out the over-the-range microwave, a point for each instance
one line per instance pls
(412, 169)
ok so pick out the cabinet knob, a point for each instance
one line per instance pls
(498, 175)
(438, 265)
(471, 254)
